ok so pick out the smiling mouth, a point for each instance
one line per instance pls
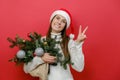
(57, 26)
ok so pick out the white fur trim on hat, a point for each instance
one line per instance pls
(62, 13)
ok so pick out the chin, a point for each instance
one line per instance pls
(56, 30)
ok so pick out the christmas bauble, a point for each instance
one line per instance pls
(21, 54)
(39, 51)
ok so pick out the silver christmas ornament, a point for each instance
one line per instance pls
(20, 54)
(39, 51)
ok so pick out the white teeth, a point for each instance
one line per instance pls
(56, 26)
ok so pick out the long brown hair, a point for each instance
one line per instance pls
(65, 39)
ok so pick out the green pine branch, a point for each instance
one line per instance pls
(29, 46)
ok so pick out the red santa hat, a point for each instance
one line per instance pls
(65, 13)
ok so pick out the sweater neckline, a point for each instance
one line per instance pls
(56, 36)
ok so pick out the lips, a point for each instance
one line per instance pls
(56, 26)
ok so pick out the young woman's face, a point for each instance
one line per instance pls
(58, 23)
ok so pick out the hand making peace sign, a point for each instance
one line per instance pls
(81, 35)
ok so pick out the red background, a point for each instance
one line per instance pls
(101, 49)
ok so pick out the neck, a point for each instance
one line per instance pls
(55, 32)
(57, 36)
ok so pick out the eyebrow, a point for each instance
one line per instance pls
(64, 20)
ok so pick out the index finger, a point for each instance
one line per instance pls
(85, 30)
(80, 29)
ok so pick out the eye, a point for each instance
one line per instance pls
(57, 17)
(64, 21)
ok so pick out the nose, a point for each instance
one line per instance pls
(59, 22)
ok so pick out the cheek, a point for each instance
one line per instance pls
(62, 26)
(52, 23)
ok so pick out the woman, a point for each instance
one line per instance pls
(60, 20)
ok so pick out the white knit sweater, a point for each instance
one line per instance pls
(58, 72)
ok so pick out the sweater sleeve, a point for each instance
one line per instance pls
(33, 64)
(76, 54)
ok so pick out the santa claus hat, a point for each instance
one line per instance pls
(65, 13)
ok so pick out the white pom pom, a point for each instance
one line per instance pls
(20, 54)
(39, 51)
(71, 36)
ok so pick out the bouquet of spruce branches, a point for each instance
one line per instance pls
(34, 46)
